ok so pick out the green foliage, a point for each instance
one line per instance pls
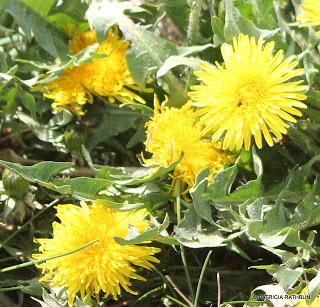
(261, 212)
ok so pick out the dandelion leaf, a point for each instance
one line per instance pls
(134, 237)
(40, 172)
(31, 17)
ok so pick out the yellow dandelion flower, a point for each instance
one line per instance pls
(108, 76)
(250, 94)
(311, 14)
(103, 266)
(171, 131)
(304, 303)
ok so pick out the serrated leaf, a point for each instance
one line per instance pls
(189, 233)
(251, 189)
(32, 22)
(15, 126)
(177, 10)
(87, 157)
(148, 51)
(307, 211)
(314, 287)
(174, 61)
(42, 7)
(306, 255)
(255, 209)
(201, 205)
(84, 56)
(140, 134)
(29, 102)
(62, 118)
(203, 240)
(282, 254)
(116, 121)
(83, 188)
(154, 200)
(49, 301)
(301, 174)
(287, 277)
(302, 139)
(135, 238)
(236, 24)
(10, 106)
(44, 304)
(80, 303)
(288, 235)
(235, 248)
(217, 29)
(43, 133)
(40, 172)
(119, 206)
(222, 182)
(74, 8)
(32, 289)
(147, 175)
(298, 178)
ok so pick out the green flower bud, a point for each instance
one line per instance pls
(15, 186)
(76, 135)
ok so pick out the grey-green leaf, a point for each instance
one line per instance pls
(41, 172)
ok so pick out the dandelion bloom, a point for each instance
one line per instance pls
(311, 14)
(249, 94)
(304, 303)
(108, 76)
(172, 131)
(103, 266)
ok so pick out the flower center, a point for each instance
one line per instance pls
(250, 94)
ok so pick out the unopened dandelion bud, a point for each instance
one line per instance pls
(75, 136)
(14, 185)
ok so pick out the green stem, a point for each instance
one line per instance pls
(11, 289)
(166, 282)
(147, 294)
(178, 200)
(27, 223)
(183, 254)
(176, 301)
(303, 269)
(18, 266)
(178, 291)
(201, 277)
(193, 26)
(185, 266)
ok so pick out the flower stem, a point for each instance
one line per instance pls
(27, 223)
(178, 201)
(201, 277)
(183, 254)
(178, 291)
(32, 262)
(193, 26)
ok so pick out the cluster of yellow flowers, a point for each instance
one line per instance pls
(108, 76)
(250, 95)
(103, 266)
(311, 14)
(172, 131)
